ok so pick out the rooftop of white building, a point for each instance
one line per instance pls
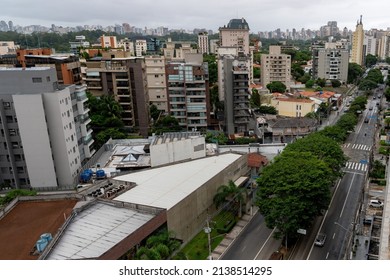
(166, 186)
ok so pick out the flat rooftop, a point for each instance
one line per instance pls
(97, 229)
(21, 228)
(166, 186)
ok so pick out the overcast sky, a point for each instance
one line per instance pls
(261, 15)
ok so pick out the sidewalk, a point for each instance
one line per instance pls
(229, 239)
(231, 236)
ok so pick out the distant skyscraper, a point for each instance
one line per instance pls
(358, 44)
(11, 25)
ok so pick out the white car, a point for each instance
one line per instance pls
(375, 203)
(320, 240)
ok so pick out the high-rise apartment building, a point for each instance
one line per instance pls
(235, 61)
(45, 135)
(125, 79)
(357, 53)
(203, 43)
(140, 47)
(331, 62)
(275, 67)
(188, 92)
(157, 84)
(236, 94)
(370, 43)
(234, 40)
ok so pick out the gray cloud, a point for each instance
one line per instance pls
(263, 15)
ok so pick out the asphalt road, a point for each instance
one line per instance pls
(339, 221)
(256, 241)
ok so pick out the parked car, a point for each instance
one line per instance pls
(320, 240)
(375, 203)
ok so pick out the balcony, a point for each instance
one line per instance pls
(87, 140)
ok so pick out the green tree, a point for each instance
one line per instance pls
(265, 109)
(347, 122)
(387, 94)
(336, 83)
(309, 83)
(276, 87)
(255, 99)
(355, 71)
(296, 71)
(305, 78)
(293, 191)
(228, 193)
(154, 112)
(213, 67)
(334, 132)
(11, 195)
(324, 148)
(375, 75)
(371, 60)
(167, 123)
(114, 133)
(216, 137)
(256, 72)
(321, 82)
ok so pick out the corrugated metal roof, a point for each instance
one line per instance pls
(164, 187)
(95, 230)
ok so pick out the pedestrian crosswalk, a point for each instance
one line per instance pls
(350, 165)
(357, 147)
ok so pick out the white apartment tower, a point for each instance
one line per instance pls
(203, 43)
(44, 129)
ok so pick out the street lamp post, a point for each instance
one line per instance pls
(207, 230)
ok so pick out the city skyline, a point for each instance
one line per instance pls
(265, 16)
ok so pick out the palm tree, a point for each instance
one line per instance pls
(228, 193)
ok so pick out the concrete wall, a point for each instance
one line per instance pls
(35, 138)
(188, 217)
(170, 152)
(63, 137)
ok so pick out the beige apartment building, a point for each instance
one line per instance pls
(235, 34)
(357, 54)
(157, 84)
(275, 67)
(293, 107)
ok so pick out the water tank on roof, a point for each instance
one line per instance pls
(100, 174)
(85, 177)
(47, 236)
(41, 245)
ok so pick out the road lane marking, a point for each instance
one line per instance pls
(262, 247)
(334, 234)
(327, 255)
(349, 190)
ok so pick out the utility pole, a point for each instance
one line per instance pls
(207, 230)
